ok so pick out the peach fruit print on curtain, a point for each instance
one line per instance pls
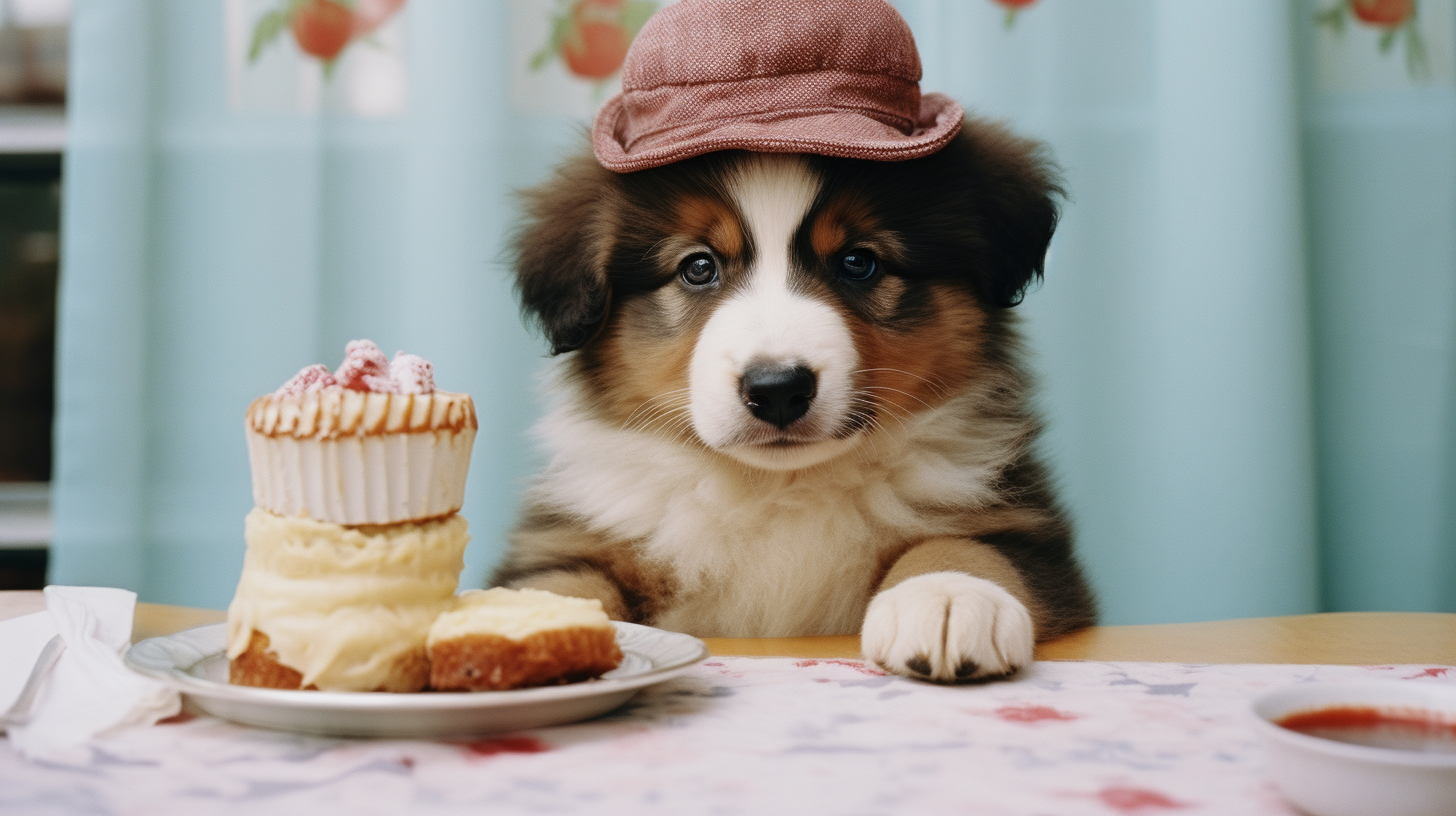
(591, 37)
(304, 56)
(1013, 7)
(322, 28)
(1395, 20)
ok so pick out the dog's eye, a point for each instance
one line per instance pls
(858, 265)
(699, 269)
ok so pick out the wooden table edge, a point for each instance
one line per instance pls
(1350, 638)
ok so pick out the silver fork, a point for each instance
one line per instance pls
(19, 713)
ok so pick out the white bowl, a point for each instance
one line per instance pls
(1332, 778)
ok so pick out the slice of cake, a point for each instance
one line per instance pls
(494, 639)
(320, 605)
(355, 544)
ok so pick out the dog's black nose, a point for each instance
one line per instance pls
(777, 394)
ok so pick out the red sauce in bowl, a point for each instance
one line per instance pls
(1404, 729)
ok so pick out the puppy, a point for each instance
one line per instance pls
(789, 400)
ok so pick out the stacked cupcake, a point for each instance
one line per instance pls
(355, 545)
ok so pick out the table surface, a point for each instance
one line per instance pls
(1109, 719)
(1349, 638)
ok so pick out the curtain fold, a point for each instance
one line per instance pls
(99, 474)
(1380, 176)
(1218, 412)
(1244, 338)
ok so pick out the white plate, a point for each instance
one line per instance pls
(195, 663)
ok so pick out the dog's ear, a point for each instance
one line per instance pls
(1015, 200)
(561, 253)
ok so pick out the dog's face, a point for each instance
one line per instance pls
(779, 308)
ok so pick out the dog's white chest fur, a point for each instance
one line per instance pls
(765, 553)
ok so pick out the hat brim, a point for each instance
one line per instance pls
(845, 133)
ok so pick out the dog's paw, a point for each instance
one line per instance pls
(948, 627)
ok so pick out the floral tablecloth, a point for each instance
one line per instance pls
(745, 735)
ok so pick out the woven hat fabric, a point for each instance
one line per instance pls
(833, 77)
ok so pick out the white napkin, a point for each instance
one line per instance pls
(90, 692)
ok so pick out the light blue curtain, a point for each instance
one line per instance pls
(1380, 182)
(1244, 339)
(210, 253)
(1172, 328)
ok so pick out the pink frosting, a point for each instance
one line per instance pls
(413, 374)
(365, 368)
(311, 378)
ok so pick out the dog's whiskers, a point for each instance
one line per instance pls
(866, 406)
(650, 403)
(897, 391)
(937, 385)
(664, 416)
(877, 407)
(655, 403)
(672, 428)
(655, 417)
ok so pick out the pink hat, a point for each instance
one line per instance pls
(833, 77)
